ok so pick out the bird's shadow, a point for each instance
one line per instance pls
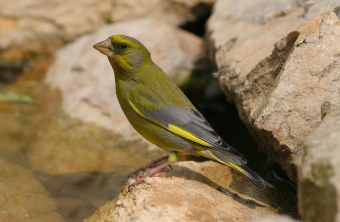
(243, 191)
(184, 172)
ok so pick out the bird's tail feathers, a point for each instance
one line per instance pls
(240, 167)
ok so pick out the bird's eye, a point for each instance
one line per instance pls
(122, 46)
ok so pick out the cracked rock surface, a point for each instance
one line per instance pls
(278, 69)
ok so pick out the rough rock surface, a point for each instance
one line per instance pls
(29, 27)
(319, 176)
(205, 191)
(275, 219)
(86, 80)
(278, 86)
(176, 12)
(17, 193)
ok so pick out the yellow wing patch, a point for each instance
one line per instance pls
(236, 167)
(175, 129)
(183, 133)
(135, 109)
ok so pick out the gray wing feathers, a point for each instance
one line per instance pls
(193, 121)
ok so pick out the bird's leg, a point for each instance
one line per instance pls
(152, 169)
(152, 172)
(149, 165)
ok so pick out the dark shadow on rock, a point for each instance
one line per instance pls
(280, 197)
(250, 203)
(187, 173)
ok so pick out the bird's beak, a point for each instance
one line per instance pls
(105, 47)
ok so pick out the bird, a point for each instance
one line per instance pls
(159, 111)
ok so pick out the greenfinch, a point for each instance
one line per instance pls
(160, 111)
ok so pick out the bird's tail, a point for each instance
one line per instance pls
(240, 167)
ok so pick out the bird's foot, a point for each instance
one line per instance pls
(152, 164)
(150, 172)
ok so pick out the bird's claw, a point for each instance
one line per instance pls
(151, 172)
(151, 165)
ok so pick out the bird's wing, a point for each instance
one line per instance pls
(188, 123)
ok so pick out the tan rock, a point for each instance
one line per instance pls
(22, 197)
(192, 194)
(175, 12)
(277, 86)
(86, 80)
(319, 176)
(36, 26)
(275, 219)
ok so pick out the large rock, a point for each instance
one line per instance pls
(29, 27)
(277, 86)
(275, 219)
(319, 176)
(176, 12)
(86, 80)
(22, 197)
(193, 193)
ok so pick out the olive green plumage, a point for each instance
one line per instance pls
(159, 110)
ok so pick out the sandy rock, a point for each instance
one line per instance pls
(193, 193)
(22, 197)
(319, 176)
(275, 219)
(277, 86)
(29, 27)
(175, 12)
(86, 80)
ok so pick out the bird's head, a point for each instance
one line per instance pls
(125, 53)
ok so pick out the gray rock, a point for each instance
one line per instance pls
(278, 86)
(315, 8)
(319, 176)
